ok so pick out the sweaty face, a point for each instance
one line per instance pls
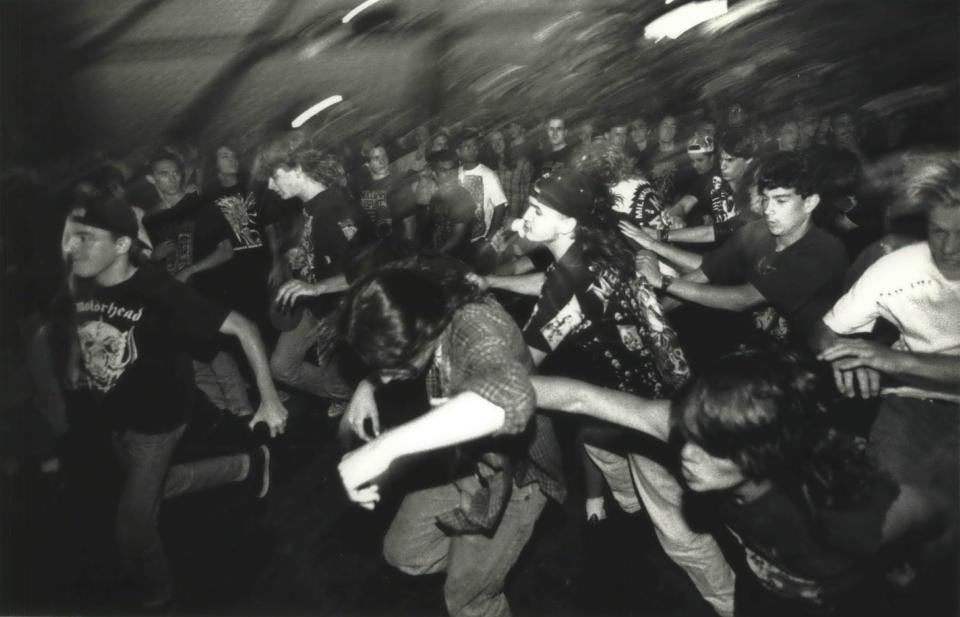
(705, 472)
(944, 237)
(732, 167)
(785, 211)
(91, 250)
(702, 163)
(378, 161)
(541, 223)
(284, 182)
(556, 132)
(167, 177)
(227, 162)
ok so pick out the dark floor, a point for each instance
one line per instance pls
(303, 550)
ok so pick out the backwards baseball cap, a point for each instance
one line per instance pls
(568, 192)
(110, 213)
(700, 144)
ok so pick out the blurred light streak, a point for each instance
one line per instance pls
(544, 33)
(676, 22)
(330, 101)
(363, 6)
(741, 11)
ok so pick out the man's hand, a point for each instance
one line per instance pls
(278, 274)
(164, 249)
(290, 291)
(648, 266)
(361, 466)
(481, 282)
(858, 362)
(273, 413)
(184, 275)
(363, 405)
(637, 234)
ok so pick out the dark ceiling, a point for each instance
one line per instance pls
(121, 75)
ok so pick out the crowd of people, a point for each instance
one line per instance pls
(731, 288)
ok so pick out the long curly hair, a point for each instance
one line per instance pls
(765, 411)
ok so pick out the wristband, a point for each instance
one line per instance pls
(662, 234)
(665, 281)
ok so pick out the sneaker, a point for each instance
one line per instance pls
(258, 477)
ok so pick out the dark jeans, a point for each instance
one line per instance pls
(147, 479)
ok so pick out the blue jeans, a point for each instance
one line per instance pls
(289, 366)
(476, 565)
(147, 479)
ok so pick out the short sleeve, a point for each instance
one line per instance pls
(725, 265)
(496, 194)
(487, 351)
(858, 309)
(557, 313)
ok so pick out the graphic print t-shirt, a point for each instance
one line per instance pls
(484, 186)
(616, 326)
(135, 343)
(383, 201)
(194, 225)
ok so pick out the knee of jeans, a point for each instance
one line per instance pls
(464, 599)
(401, 556)
(282, 369)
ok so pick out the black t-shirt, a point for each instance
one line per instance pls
(800, 282)
(243, 279)
(616, 326)
(446, 210)
(195, 226)
(136, 340)
(385, 202)
(668, 171)
(551, 161)
(810, 556)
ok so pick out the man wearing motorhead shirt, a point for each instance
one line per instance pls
(319, 238)
(135, 330)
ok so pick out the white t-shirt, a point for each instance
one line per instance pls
(905, 288)
(484, 186)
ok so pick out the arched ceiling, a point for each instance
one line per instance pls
(122, 74)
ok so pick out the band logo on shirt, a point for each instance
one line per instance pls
(106, 352)
(563, 323)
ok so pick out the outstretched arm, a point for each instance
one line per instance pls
(271, 410)
(464, 417)
(571, 396)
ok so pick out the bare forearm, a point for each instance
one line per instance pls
(730, 298)
(465, 417)
(571, 396)
(685, 260)
(246, 332)
(936, 368)
(523, 284)
(700, 234)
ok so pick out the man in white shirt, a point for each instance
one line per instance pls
(917, 289)
(484, 186)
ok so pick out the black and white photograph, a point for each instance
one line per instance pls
(480, 308)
